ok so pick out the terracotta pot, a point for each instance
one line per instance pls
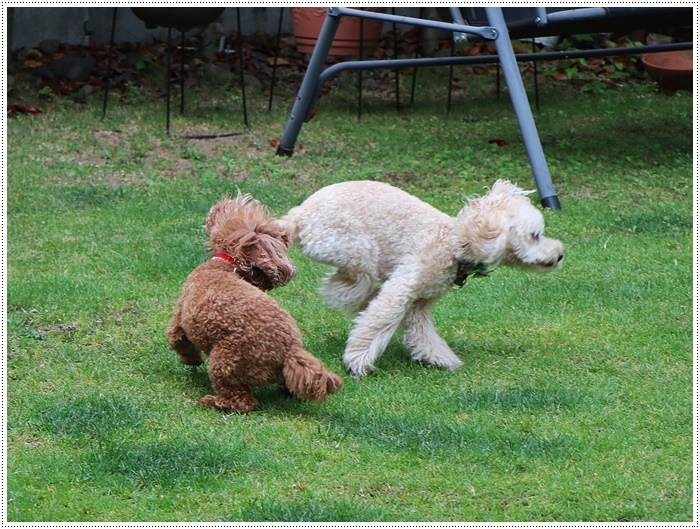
(673, 70)
(307, 23)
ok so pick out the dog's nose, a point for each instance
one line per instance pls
(561, 256)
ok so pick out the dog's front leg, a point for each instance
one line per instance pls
(421, 338)
(375, 326)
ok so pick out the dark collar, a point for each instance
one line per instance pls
(466, 269)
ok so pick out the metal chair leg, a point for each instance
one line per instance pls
(396, 54)
(359, 72)
(167, 85)
(449, 85)
(498, 81)
(277, 54)
(419, 51)
(521, 106)
(537, 88)
(108, 74)
(241, 66)
(310, 86)
(182, 72)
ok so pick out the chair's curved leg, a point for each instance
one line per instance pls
(310, 86)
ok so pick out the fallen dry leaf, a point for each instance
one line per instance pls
(22, 109)
(280, 61)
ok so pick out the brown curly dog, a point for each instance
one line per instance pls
(251, 341)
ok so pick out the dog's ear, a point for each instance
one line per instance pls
(216, 212)
(264, 261)
(484, 223)
(227, 207)
(481, 232)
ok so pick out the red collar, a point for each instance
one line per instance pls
(226, 257)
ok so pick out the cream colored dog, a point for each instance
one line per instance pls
(394, 256)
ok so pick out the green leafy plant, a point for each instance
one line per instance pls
(130, 93)
(47, 93)
(594, 75)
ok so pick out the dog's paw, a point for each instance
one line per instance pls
(449, 364)
(445, 360)
(437, 353)
(243, 405)
(208, 402)
(358, 369)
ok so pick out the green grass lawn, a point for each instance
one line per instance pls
(575, 399)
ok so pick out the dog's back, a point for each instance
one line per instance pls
(365, 225)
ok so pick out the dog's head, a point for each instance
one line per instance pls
(503, 227)
(243, 228)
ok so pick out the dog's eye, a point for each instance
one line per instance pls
(535, 236)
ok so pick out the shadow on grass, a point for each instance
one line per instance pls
(110, 430)
(500, 434)
(521, 400)
(195, 382)
(82, 417)
(170, 461)
(400, 433)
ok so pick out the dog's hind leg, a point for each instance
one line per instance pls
(421, 338)
(177, 338)
(230, 393)
(348, 291)
(376, 325)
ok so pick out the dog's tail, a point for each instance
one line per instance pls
(289, 223)
(307, 378)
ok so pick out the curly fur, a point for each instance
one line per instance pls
(394, 256)
(259, 242)
(223, 311)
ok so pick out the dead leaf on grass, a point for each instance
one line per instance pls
(22, 109)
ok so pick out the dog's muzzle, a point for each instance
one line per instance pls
(556, 263)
